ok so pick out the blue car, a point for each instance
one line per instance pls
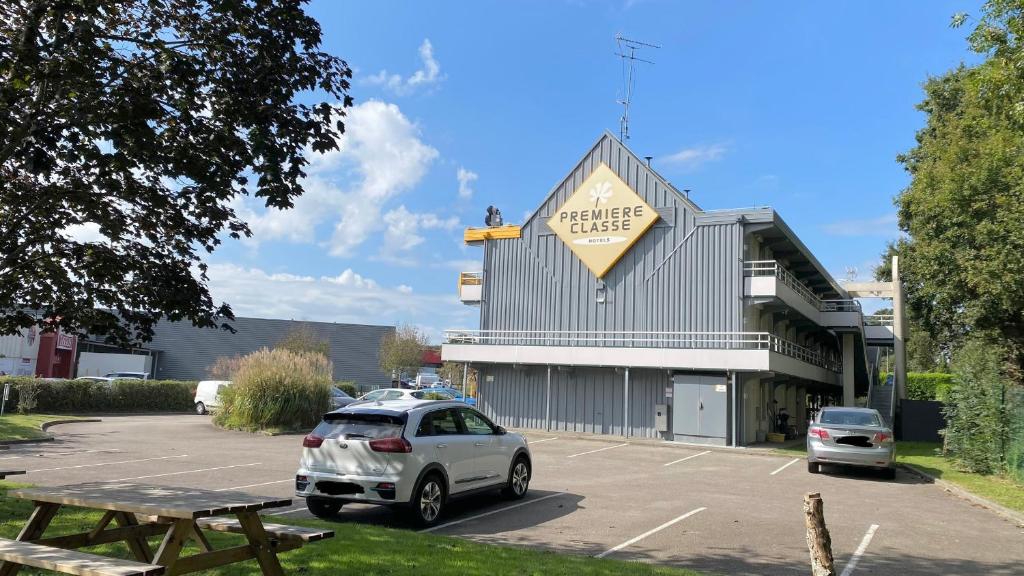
(456, 393)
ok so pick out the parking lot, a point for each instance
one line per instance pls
(719, 511)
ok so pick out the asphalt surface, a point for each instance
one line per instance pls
(716, 511)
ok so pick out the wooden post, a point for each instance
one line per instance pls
(819, 543)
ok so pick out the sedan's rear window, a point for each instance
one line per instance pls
(850, 418)
(357, 426)
(431, 395)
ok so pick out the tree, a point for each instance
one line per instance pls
(401, 351)
(302, 338)
(144, 123)
(924, 352)
(964, 208)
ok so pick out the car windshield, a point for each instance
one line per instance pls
(356, 426)
(850, 418)
(432, 394)
(338, 392)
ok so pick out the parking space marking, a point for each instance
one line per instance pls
(688, 457)
(855, 559)
(544, 440)
(784, 466)
(632, 541)
(506, 508)
(600, 449)
(254, 485)
(45, 454)
(185, 472)
(109, 463)
(303, 509)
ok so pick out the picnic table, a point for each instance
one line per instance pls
(142, 511)
(6, 473)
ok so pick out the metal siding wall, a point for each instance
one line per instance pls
(685, 277)
(187, 351)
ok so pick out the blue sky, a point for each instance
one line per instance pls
(800, 106)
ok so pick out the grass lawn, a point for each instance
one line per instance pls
(927, 457)
(25, 426)
(360, 549)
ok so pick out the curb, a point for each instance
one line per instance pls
(603, 438)
(1011, 515)
(49, 437)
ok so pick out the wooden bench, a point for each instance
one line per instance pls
(281, 532)
(72, 561)
(6, 473)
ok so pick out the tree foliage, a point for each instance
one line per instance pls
(303, 338)
(963, 210)
(142, 123)
(401, 351)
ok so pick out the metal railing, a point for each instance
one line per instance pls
(639, 339)
(773, 268)
(471, 278)
(878, 320)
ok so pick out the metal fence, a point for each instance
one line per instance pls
(1014, 450)
(639, 339)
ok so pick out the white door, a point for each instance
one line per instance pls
(493, 454)
(452, 449)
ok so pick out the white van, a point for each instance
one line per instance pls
(207, 394)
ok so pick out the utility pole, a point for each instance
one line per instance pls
(629, 61)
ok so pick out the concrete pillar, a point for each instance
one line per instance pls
(547, 403)
(899, 330)
(625, 404)
(848, 370)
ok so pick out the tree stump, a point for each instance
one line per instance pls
(819, 543)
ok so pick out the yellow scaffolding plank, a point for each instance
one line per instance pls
(492, 233)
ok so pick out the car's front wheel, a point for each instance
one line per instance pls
(428, 500)
(323, 507)
(200, 408)
(518, 479)
(889, 473)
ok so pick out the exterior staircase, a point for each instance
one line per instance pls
(881, 399)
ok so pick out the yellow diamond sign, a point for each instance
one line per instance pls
(602, 220)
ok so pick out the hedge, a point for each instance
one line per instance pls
(83, 396)
(926, 385)
(349, 387)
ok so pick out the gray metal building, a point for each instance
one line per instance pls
(183, 352)
(693, 325)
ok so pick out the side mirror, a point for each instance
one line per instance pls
(501, 431)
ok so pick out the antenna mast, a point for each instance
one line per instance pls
(628, 77)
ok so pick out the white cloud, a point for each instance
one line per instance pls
(881, 226)
(694, 157)
(466, 179)
(466, 265)
(350, 278)
(85, 233)
(348, 297)
(428, 75)
(402, 229)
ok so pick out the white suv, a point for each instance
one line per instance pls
(417, 453)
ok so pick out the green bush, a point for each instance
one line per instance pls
(925, 385)
(349, 387)
(84, 396)
(976, 432)
(277, 389)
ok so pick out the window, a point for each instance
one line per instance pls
(392, 395)
(439, 423)
(849, 418)
(375, 395)
(475, 422)
(361, 426)
(432, 394)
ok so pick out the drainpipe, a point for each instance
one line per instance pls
(735, 409)
(625, 406)
(465, 379)
(547, 403)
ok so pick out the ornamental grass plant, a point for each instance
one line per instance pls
(276, 390)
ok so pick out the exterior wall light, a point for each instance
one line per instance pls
(602, 292)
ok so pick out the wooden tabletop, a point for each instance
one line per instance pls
(166, 501)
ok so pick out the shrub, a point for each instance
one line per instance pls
(83, 396)
(976, 431)
(349, 387)
(277, 389)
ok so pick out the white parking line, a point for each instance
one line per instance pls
(855, 559)
(784, 466)
(461, 520)
(688, 457)
(649, 532)
(544, 440)
(108, 463)
(303, 509)
(45, 454)
(253, 485)
(599, 450)
(185, 472)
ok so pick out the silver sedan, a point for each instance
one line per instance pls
(850, 436)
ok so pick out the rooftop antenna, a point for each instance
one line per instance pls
(627, 53)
